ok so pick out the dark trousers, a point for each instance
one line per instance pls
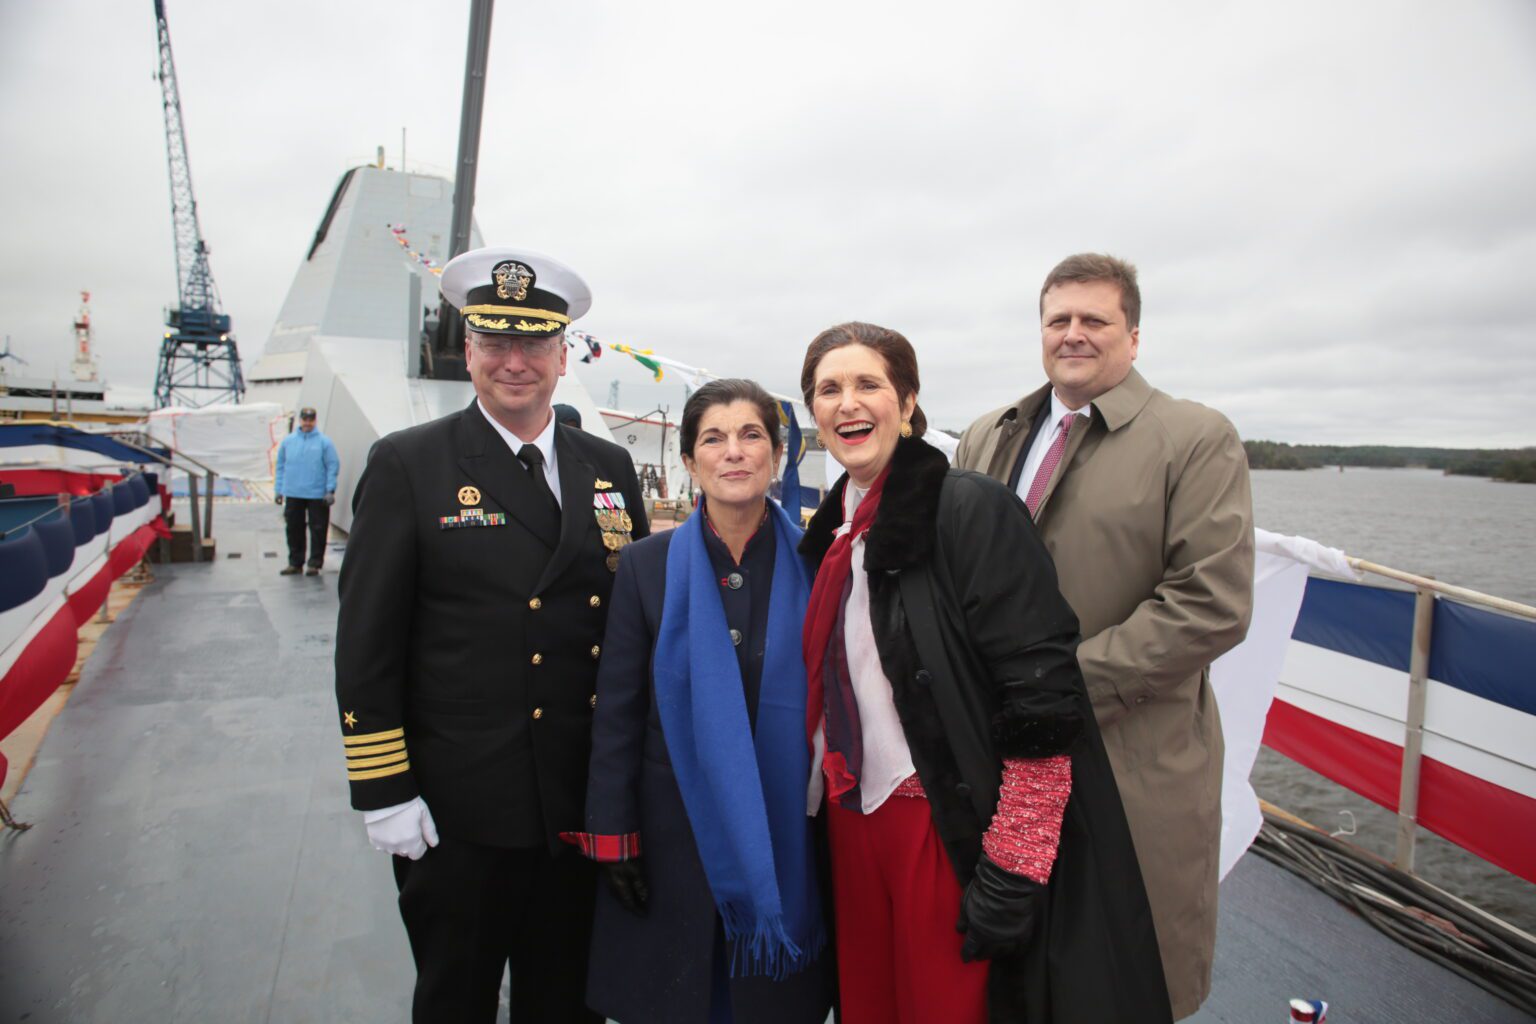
(469, 910)
(319, 514)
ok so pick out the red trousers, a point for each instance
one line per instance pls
(897, 901)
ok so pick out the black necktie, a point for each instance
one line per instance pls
(530, 456)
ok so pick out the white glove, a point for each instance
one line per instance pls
(405, 830)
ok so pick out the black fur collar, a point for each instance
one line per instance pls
(902, 535)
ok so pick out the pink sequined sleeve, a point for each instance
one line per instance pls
(1027, 825)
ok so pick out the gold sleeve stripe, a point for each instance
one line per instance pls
(375, 762)
(379, 773)
(373, 737)
(547, 314)
(382, 748)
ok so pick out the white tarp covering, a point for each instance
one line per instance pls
(1246, 677)
(236, 441)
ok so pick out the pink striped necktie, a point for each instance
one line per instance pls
(1048, 464)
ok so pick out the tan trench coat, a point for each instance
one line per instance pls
(1150, 521)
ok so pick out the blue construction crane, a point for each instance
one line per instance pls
(199, 363)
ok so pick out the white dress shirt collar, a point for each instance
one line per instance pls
(1043, 438)
(545, 443)
(1060, 409)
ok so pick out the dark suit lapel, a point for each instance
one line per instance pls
(576, 479)
(1011, 448)
(489, 463)
(1022, 455)
(1080, 432)
(1108, 413)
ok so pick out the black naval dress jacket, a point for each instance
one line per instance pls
(470, 630)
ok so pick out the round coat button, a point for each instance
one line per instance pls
(535, 603)
(962, 789)
(593, 701)
(538, 712)
(595, 601)
(734, 581)
(923, 677)
(537, 659)
(735, 638)
(596, 650)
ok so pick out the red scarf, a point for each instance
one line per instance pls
(821, 619)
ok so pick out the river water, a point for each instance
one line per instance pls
(1462, 530)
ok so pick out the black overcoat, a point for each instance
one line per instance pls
(658, 969)
(979, 647)
(475, 647)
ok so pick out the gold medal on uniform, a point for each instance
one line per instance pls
(612, 520)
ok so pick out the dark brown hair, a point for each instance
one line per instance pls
(724, 392)
(1097, 266)
(891, 346)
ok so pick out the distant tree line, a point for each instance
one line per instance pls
(1513, 464)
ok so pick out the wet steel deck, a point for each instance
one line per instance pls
(193, 857)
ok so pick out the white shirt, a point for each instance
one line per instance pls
(545, 443)
(1043, 439)
(887, 760)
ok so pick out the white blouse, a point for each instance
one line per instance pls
(887, 760)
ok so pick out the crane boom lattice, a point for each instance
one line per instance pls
(199, 360)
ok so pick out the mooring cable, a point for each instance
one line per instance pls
(1408, 910)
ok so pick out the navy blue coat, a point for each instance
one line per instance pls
(661, 967)
(466, 658)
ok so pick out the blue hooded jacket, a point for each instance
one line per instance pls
(306, 465)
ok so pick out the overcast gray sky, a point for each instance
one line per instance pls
(1332, 205)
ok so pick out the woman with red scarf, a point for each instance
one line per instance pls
(982, 870)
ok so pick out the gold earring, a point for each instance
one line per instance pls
(819, 442)
(906, 428)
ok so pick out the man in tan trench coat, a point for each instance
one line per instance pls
(1145, 506)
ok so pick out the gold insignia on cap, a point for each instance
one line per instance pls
(498, 324)
(512, 280)
(350, 719)
(469, 495)
(601, 485)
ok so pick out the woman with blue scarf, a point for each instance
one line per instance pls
(696, 804)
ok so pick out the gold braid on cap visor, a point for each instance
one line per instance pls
(547, 314)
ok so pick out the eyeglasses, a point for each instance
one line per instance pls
(500, 346)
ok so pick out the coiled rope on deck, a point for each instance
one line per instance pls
(1407, 909)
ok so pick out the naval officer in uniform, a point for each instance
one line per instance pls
(474, 593)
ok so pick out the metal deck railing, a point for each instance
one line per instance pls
(1427, 591)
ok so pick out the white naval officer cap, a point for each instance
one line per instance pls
(499, 290)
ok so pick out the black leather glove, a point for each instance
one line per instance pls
(626, 878)
(279, 499)
(997, 912)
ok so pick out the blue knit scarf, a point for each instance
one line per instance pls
(744, 794)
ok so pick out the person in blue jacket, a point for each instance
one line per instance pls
(306, 488)
(696, 801)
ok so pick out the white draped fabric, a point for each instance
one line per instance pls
(1245, 678)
